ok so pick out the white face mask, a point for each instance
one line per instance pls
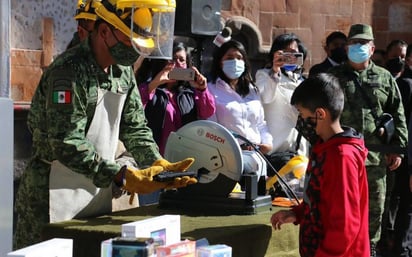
(233, 68)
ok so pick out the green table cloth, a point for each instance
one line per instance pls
(248, 235)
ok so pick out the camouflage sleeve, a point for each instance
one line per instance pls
(66, 117)
(395, 107)
(134, 132)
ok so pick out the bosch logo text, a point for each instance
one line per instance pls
(215, 138)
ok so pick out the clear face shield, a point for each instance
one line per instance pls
(148, 23)
(151, 31)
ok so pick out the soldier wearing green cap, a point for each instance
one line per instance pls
(371, 91)
(361, 31)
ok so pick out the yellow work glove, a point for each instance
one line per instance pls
(175, 166)
(141, 181)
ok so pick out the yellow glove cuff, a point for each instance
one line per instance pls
(176, 166)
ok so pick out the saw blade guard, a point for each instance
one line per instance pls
(214, 148)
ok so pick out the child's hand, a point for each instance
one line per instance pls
(281, 217)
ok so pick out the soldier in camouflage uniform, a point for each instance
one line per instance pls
(371, 89)
(63, 109)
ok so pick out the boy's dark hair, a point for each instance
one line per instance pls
(320, 91)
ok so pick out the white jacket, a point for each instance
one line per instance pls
(276, 92)
(243, 115)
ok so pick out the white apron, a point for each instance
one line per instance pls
(73, 195)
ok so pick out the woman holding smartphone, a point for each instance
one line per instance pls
(169, 103)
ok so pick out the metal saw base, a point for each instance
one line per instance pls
(234, 204)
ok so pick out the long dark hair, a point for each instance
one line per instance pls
(217, 72)
(180, 46)
(283, 41)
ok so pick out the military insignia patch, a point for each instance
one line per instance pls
(62, 97)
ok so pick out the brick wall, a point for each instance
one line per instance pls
(313, 20)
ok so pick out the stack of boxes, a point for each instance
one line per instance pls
(158, 237)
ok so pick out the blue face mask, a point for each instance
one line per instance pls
(234, 68)
(290, 67)
(359, 53)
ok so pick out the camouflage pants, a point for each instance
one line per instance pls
(377, 192)
(32, 205)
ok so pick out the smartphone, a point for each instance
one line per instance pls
(290, 59)
(168, 176)
(182, 74)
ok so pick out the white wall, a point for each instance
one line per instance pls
(6, 173)
(6, 132)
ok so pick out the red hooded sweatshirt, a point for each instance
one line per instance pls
(333, 216)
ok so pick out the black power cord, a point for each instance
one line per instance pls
(285, 186)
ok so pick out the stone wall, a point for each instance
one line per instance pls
(261, 21)
(313, 20)
(26, 23)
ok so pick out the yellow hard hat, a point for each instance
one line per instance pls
(297, 165)
(85, 10)
(137, 19)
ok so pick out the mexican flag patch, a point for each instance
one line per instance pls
(62, 97)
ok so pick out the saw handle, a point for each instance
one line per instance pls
(168, 176)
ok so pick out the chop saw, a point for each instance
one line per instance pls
(220, 164)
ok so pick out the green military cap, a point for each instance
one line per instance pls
(360, 31)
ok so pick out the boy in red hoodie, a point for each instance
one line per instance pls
(333, 216)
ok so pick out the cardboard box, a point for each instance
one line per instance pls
(56, 247)
(219, 250)
(106, 248)
(164, 229)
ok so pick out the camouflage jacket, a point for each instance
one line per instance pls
(383, 93)
(63, 107)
